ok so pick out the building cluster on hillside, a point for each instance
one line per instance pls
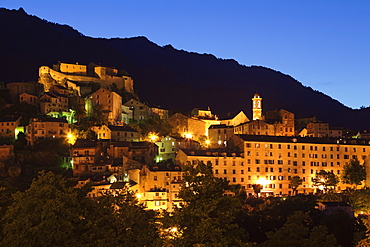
(269, 149)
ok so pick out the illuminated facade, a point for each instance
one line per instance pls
(29, 99)
(272, 161)
(139, 111)
(50, 102)
(257, 107)
(185, 125)
(9, 125)
(161, 113)
(218, 135)
(117, 133)
(40, 128)
(77, 77)
(106, 157)
(234, 120)
(169, 146)
(111, 103)
(275, 123)
(159, 186)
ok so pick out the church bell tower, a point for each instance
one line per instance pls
(257, 107)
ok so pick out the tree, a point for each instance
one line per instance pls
(133, 226)
(154, 125)
(98, 117)
(257, 188)
(366, 241)
(78, 107)
(325, 180)
(360, 201)
(295, 182)
(296, 232)
(54, 213)
(353, 173)
(47, 214)
(207, 216)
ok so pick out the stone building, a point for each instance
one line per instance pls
(78, 78)
(110, 102)
(139, 111)
(44, 127)
(170, 145)
(117, 133)
(17, 88)
(9, 126)
(218, 135)
(185, 125)
(159, 186)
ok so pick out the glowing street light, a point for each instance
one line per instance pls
(188, 135)
(153, 137)
(138, 196)
(71, 139)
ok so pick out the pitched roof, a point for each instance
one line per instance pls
(121, 128)
(84, 143)
(220, 126)
(50, 119)
(298, 139)
(9, 118)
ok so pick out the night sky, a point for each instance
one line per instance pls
(323, 44)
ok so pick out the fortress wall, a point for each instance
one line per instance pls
(73, 68)
(47, 75)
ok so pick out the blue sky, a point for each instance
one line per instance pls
(322, 44)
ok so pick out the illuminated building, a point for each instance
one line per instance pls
(275, 123)
(29, 99)
(230, 119)
(50, 102)
(159, 186)
(218, 135)
(9, 126)
(276, 159)
(139, 111)
(256, 107)
(77, 77)
(169, 146)
(111, 103)
(161, 113)
(183, 124)
(106, 157)
(117, 133)
(40, 128)
(205, 116)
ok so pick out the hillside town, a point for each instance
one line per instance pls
(117, 141)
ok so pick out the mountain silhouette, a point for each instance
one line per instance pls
(164, 76)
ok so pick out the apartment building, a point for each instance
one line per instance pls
(44, 127)
(160, 185)
(273, 160)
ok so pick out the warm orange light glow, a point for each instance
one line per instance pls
(153, 137)
(208, 142)
(71, 139)
(262, 181)
(188, 135)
